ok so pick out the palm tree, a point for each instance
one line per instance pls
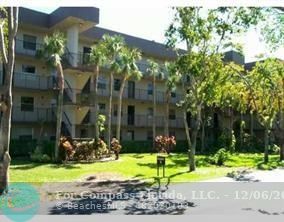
(172, 77)
(98, 59)
(154, 71)
(8, 31)
(52, 50)
(127, 69)
(113, 46)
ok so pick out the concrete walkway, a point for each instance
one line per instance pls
(276, 175)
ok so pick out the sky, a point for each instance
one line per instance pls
(150, 22)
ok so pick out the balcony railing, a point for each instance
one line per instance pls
(84, 58)
(141, 121)
(141, 94)
(35, 115)
(147, 121)
(34, 81)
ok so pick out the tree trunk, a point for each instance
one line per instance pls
(6, 98)
(251, 125)
(118, 126)
(195, 130)
(96, 76)
(186, 127)
(167, 112)
(282, 151)
(241, 132)
(203, 136)
(109, 110)
(59, 110)
(154, 111)
(266, 144)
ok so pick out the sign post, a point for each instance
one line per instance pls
(161, 161)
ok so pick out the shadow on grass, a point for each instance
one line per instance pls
(27, 165)
(127, 197)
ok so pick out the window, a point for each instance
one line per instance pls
(149, 135)
(150, 112)
(102, 106)
(27, 104)
(29, 42)
(25, 137)
(116, 85)
(172, 114)
(86, 54)
(130, 135)
(28, 68)
(115, 110)
(83, 133)
(150, 89)
(102, 83)
(172, 133)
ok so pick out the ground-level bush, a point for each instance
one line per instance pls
(81, 150)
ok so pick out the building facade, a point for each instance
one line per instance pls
(35, 85)
(35, 88)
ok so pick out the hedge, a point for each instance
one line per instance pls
(147, 147)
(23, 148)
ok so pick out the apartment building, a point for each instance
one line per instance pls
(35, 89)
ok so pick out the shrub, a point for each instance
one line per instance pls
(66, 149)
(116, 147)
(100, 149)
(221, 156)
(274, 149)
(84, 150)
(39, 157)
(165, 144)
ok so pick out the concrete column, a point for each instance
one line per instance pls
(72, 44)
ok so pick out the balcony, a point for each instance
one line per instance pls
(26, 48)
(35, 116)
(34, 81)
(141, 94)
(141, 121)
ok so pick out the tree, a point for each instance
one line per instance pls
(98, 59)
(232, 97)
(266, 78)
(205, 33)
(113, 46)
(127, 69)
(9, 23)
(171, 80)
(273, 31)
(51, 52)
(154, 71)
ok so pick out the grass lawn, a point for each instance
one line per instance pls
(139, 166)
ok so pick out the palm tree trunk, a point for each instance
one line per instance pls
(168, 95)
(154, 111)
(118, 126)
(6, 99)
(266, 144)
(109, 110)
(59, 110)
(96, 76)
